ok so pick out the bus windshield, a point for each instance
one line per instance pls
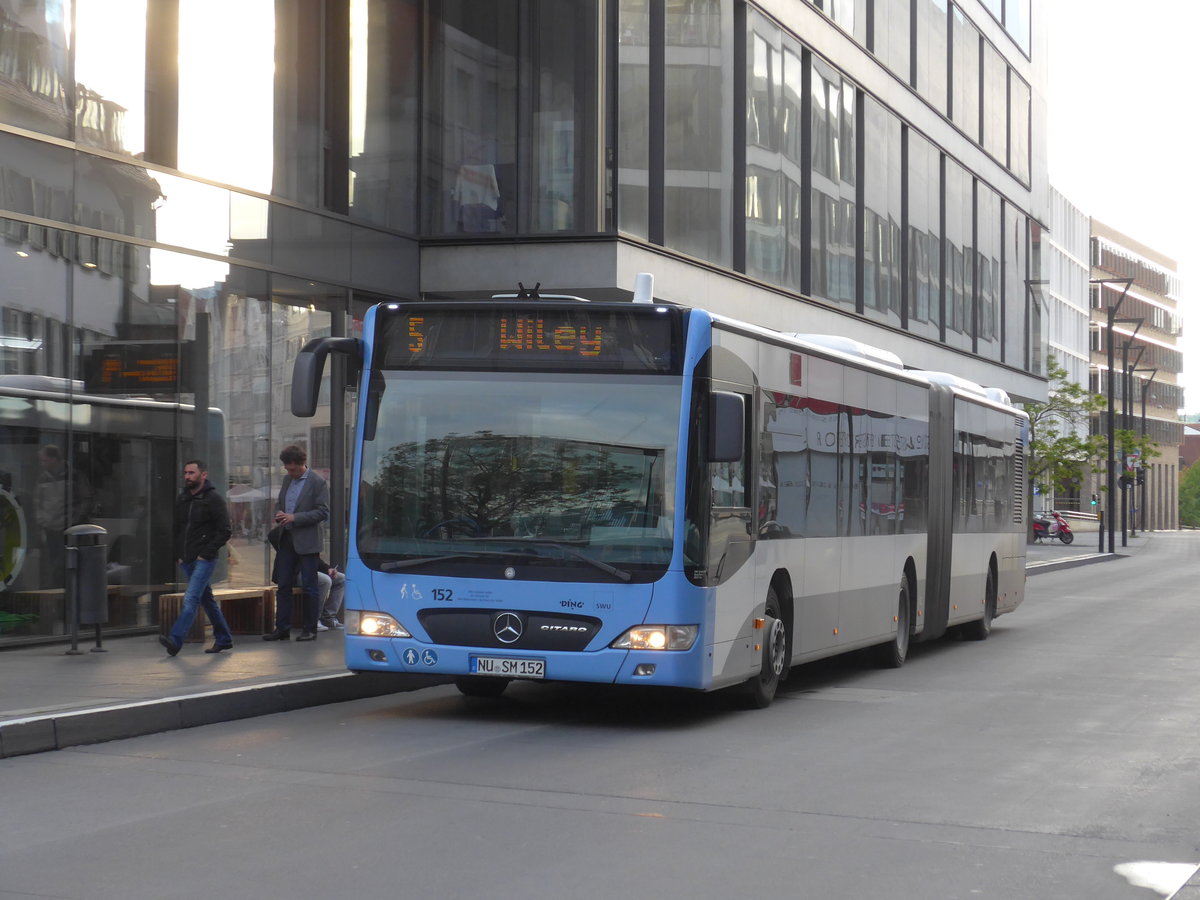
(567, 477)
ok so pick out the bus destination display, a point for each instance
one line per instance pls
(555, 338)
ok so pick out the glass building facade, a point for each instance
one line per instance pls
(192, 189)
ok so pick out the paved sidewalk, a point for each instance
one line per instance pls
(1052, 555)
(50, 700)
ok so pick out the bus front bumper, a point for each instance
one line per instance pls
(663, 668)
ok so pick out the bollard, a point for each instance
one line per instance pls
(87, 584)
(1100, 517)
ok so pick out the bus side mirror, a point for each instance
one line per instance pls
(309, 367)
(726, 426)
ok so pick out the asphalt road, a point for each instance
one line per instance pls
(1038, 764)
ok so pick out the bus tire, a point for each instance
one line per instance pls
(981, 628)
(760, 690)
(893, 654)
(480, 685)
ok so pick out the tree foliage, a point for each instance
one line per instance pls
(1189, 496)
(1062, 449)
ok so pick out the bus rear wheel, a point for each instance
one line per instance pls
(760, 690)
(480, 685)
(981, 628)
(893, 654)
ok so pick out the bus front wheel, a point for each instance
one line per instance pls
(760, 690)
(480, 685)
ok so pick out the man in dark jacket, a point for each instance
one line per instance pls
(201, 530)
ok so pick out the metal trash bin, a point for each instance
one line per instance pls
(87, 581)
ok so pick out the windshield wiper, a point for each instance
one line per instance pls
(397, 564)
(575, 552)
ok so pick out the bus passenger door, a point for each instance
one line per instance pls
(730, 544)
(729, 485)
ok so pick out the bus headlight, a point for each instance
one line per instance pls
(374, 624)
(657, 637)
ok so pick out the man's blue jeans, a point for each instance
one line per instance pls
(199, 593)
(287, 562)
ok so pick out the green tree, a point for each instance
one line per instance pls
(1061, 447)
(1189, 496)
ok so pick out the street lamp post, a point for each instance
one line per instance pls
(1127, 369)
(1111, 462)
(1033, 292)
(1145, 387)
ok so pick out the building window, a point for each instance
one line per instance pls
(698, 130)
(511, 116)
(960, 276)
(882, 185)
(965, 109)
(932, 48)
(893, 36)
(834, 193)
(924, 236)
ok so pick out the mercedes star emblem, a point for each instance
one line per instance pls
(507, 628)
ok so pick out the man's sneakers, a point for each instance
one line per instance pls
(172, 647)
(328, 624)
(321, 626)
(217, 648)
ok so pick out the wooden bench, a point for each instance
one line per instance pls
(46, 609)
(249, 610)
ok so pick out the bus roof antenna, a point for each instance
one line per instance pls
(528, 293)
(643, 288)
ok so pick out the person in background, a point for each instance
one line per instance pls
(332, 589)
(201, 530)
(302, 506)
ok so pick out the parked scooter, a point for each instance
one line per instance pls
(1052, 526)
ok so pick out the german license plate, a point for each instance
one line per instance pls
(508, 666)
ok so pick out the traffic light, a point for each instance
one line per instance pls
(1125, 481)
(1095, 499)
(1141, 475)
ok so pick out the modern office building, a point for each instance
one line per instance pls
(1067, 270)
(191, 189)
(1135, 293)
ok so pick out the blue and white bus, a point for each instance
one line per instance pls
(643, 493)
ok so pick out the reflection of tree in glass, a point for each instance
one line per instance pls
(488, 484)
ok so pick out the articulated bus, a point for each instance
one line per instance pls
(643, 493)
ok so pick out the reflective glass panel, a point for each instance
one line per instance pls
(699, 129)
(966, 75)
(35, 51)
(110, 74)
(834, 227)
(924, 236)
(959, 255)
(633, 116)
(932, 43)
(882, 215)
(995, 104)
(384, 107)
(251, 116)
(987, 256)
